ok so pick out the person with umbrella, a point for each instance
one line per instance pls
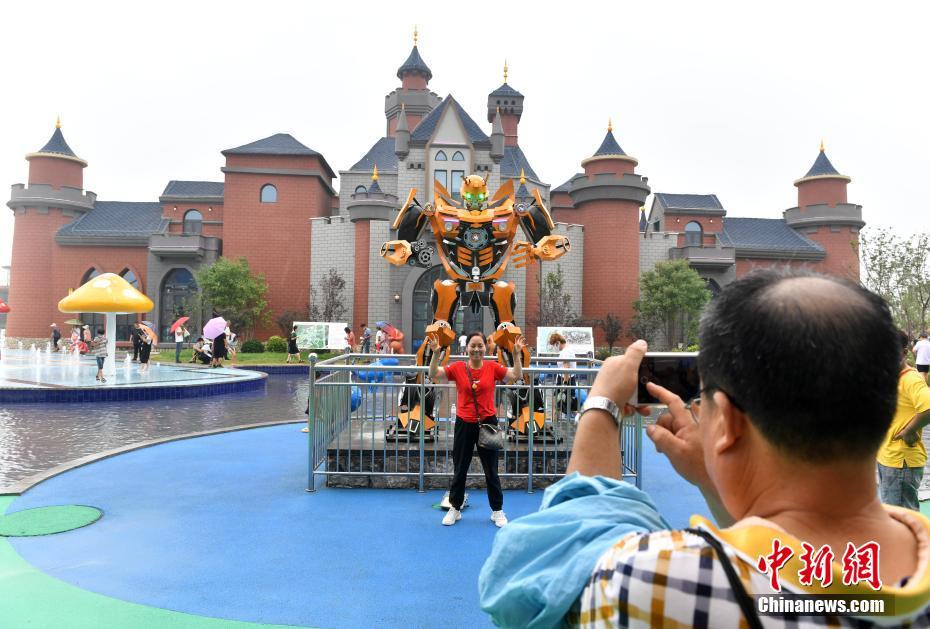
(180, 333)
(135, 335)
(215, 330)
(147, 338)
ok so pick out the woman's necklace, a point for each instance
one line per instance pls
(474, 383)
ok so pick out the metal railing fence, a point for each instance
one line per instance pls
(353, 402)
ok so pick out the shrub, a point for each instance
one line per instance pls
(602, 353)
(276, 345)
(252, 347)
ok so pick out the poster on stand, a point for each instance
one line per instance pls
(321, 335)
(580, 341)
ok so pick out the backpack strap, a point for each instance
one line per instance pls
(746, 604)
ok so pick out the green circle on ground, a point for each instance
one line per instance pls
(47, 520)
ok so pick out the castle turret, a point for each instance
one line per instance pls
(413, 99)
(508, 103)
(824, 215)
(54, 197)
(364, 209)
(608, 197)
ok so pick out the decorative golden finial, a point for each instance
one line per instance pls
(58, 122)
(610, 124)
(505, 70)
(374, 173)
(821, 145)
(522, 176)
(498, 109)
(415, 34)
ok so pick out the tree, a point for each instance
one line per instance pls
(898, 269)
(286, 321)
(235, 294)
(556, 304)
(612, 328)
(331, 306)
(672, 296)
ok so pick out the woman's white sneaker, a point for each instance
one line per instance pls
(498, 518)
(452, 516)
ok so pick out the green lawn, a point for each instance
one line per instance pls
(265, 358)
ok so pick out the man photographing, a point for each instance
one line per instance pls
(785, 454)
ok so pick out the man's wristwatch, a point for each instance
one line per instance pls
(602, 403)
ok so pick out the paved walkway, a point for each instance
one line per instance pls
(220, 527)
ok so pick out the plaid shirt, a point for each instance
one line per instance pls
(674, 579)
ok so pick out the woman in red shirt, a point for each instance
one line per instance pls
(482, 377)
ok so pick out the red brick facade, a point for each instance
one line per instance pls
(275, 237)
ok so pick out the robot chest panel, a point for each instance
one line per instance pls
(475, 237)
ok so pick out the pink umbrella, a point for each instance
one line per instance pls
(214, 328)
(3, 307)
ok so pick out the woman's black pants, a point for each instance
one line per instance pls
(463, 447)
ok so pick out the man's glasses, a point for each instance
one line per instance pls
(694, 406)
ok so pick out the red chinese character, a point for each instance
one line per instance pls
(771, 564)
(861, 564)
(817, 565)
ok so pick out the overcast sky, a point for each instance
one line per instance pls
(730, 98)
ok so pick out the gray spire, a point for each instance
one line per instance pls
(401, 134)
(497, 138)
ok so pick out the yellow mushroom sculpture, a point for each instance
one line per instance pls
(111, 295)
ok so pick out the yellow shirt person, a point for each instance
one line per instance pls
(902, 456)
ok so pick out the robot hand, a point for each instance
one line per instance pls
(523, 254)
(396, 252)
(552, 247)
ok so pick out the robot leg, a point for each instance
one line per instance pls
(503, 304)
(412, 409)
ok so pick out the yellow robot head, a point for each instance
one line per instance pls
(474, 192)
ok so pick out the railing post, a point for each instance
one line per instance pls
(530, 429)
(311, 433)
(421, 483)
(638, 438)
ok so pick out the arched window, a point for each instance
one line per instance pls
(124, 322)
(89, 275)
(361, 190)
(441, 156)
(694, 235)
(464, 320)
(458, 157)
(193, 222)
(269, 194)
(178, 299)
(712, 286)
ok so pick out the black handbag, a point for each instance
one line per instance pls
(490, 436)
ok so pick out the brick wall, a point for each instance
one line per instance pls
(45, 270)
(333, 246)
(212, 217)
(828, 191)
(611, 258)
(380, 270)
(842, 245)
(56, 172)
(274, 237)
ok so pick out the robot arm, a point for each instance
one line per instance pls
(537, 224)
(410, 222)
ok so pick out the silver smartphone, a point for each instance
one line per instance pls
(676, 371)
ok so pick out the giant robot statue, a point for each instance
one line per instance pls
(475, 238)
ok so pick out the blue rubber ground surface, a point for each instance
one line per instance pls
(221, 526)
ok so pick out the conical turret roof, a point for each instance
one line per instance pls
(414, 63)
(57, 145)
(822, 166)
(609, 146)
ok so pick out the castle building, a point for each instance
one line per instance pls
(277, 207)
